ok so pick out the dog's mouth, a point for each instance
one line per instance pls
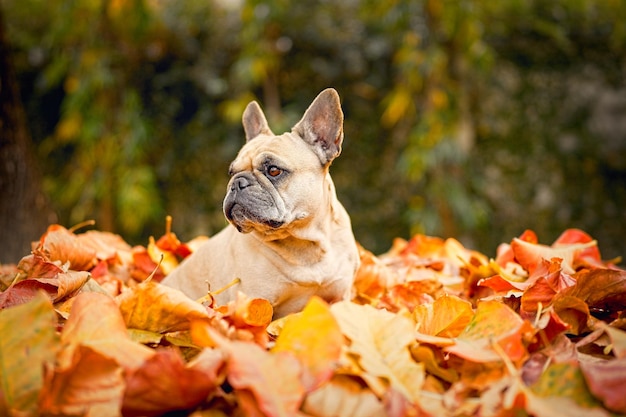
(246, 221)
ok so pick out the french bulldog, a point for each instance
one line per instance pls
(288, 236)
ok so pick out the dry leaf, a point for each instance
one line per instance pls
(59, 244)
(380, 340)
(90, 384)
(493, 323)
(314, 337)
(28, 341)
(343, 396)
(266, 384)
(157, 308)
(95, 321)
(447, 316)
(165, 383)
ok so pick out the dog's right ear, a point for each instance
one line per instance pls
(254, 121)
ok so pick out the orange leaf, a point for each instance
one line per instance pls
(157, 308)
(59, 244)
(315, 338)
(90, 384)
(493, 322)
(447, 316)
(95, 321)
(266, 384)
(530, 255)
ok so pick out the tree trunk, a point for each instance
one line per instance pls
(24, 210)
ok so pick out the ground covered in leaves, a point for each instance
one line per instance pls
(432, 329)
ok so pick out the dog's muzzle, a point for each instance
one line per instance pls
(246, 203)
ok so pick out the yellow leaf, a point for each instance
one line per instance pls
(24, 349)
(381, 341)
(315, 338)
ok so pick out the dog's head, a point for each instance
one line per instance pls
(280, 182)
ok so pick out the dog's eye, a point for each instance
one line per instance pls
(274, 171)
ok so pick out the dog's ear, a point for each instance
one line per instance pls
(254, 121)
(322, 125)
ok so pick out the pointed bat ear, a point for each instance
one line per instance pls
(254, 121)
(322, 125)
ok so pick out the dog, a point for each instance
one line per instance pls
(288, 236)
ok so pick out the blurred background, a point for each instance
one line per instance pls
(469, 119)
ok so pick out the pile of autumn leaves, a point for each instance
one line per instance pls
(433, 329)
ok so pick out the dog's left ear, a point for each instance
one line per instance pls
(254, 121)
(322, 125)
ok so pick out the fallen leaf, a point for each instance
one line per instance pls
(380, 340)
(343, 396)
(96, 322)
(165, 383)
(157, 308)
(36, 266)
(253, 374)
(602, 289)
(606, 381)
(563, 383)
(90, 384)
(447, 316)
(618, 340)
(59, 244)
(63, 285)
(317, 350)
(107, 246)
(530, 255)
(28, 341)
(492, 323)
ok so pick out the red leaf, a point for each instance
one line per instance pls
(606, 380)
(165, 383)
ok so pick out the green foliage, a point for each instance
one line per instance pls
(469, 119)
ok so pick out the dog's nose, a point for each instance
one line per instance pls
(241, 183)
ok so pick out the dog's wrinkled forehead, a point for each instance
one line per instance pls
(282, 150)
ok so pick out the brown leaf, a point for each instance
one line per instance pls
(602, 289)
(59, 244)
(165, 383)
